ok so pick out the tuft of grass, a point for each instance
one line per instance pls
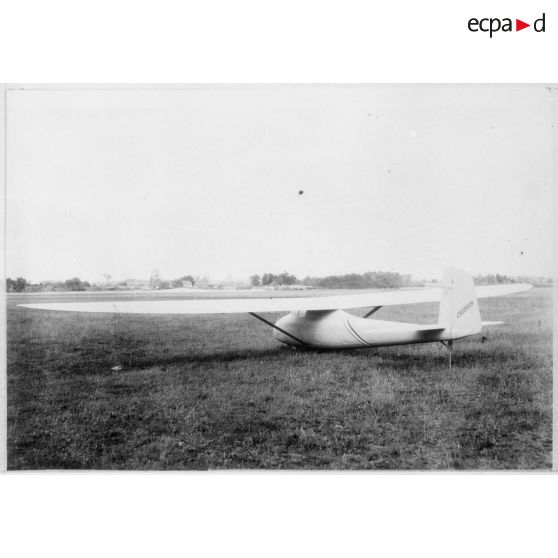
(218, 392)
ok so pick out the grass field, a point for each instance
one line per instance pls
(218, 392)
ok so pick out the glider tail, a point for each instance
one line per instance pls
(459, 309)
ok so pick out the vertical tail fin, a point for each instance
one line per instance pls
(459, 308)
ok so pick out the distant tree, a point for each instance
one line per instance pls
(154, 280)
(76, 284)
(51, 286)
(268, 278)
(187, 278)
(179, 282)
(271, 279)
(16, 286)
(21, 284)
(490, 279)
(368, 280)
(285, 279)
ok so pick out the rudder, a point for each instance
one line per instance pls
(459, 309)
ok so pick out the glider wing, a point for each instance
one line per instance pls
(279, 304)
(484, 291)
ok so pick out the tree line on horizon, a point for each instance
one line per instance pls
(20, 285)
(492, 279)
(368, 280)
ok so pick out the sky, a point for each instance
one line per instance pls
(314, 180)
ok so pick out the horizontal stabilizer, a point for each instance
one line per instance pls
(491, 323)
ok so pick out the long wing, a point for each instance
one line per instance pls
(484, 291)
(242, 305)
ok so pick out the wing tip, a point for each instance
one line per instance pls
(33, 306)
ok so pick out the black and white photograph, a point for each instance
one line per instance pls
(279, 277)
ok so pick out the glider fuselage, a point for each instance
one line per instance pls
(336, 329)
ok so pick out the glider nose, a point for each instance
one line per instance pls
(282, 338)
(284, 331)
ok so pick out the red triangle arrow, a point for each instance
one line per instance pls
(519, 25)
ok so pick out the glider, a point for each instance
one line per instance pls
(322, 321)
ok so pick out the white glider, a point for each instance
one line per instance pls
(322, 322)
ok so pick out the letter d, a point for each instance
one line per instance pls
(536, 24)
